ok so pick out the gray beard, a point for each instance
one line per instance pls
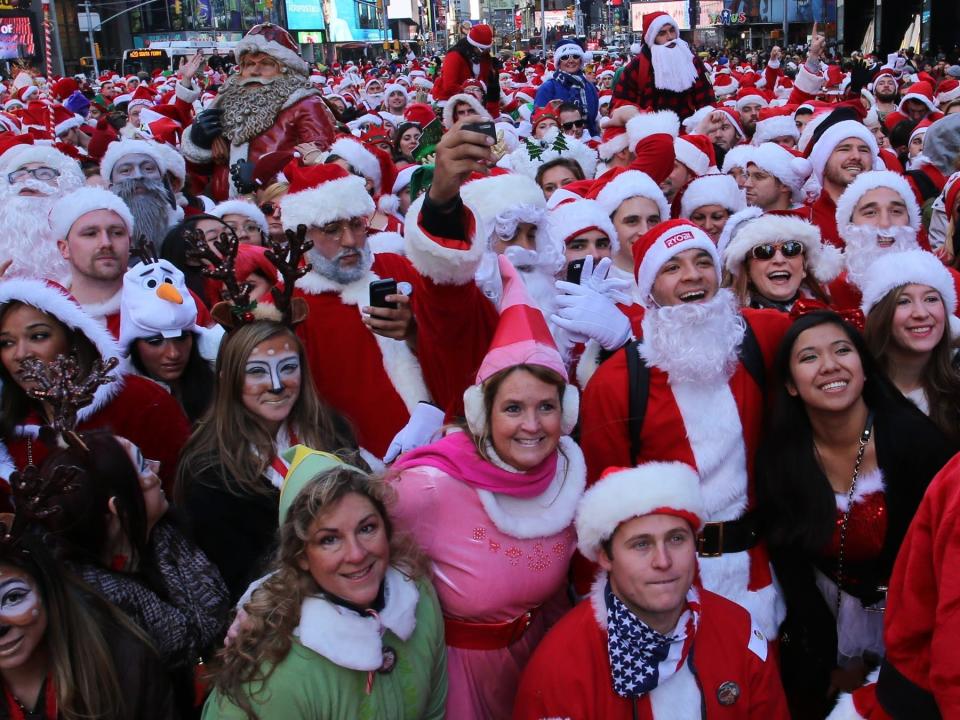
(330, 267)
(249, 111)
(150, 210)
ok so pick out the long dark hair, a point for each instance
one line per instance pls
(195, 392)
(794, 496)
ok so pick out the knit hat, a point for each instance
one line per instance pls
(242, 207)
(662, 242)
(788, 166)
(891, 270)
(155, 301)
(274, 41)
(822, 260)
(921, 92)
(567, 47)
(303, 466)
(652, 23)
(521, 338)
(320, 194)
(72, 206)
(834, 134)
(630, 184)
(575, 216)
(737, 157)
(121, 148)
(621, 494)
(863, 183)
(775, 123)
(480, 36)
(712, 190)
(696, 153)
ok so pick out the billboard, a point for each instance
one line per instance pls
(304, 15)
(679, 10)
(736, 12)
(16, 37)
(352, 20)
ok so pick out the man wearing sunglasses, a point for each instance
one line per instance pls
(572, 123)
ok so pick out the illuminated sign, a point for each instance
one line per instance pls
(16, 37)
(143, 54)
(679, 10)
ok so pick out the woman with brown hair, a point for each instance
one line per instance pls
(910, 299)
(230, 471)
(347, 625)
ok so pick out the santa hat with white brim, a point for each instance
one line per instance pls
(621, 494)
(574, 217)
(467, 98)
(784, 164)
(694, 151)
(359, 158)
(908, 267)
(836, 134)
(864, 183)
(121, 148)
(490, 197)
(72, 206)
(320, 194)
(19, 155)
(274, 41)
(661, 243)
(775, 127)
(822, 260)
(653, 23)
(712, 190)
(242, 207)
(630, 184)
(737, 157)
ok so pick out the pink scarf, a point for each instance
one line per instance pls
(457, 456)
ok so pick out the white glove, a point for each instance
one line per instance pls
(595, 278)
(423, 426)
(584, 312)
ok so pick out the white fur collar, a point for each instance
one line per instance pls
(355, 293)
(867, 484)
(102, 309)
(354, 641)
(550, 512)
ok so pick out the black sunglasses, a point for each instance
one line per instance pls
(268, 208)
(789, 249)
(574, 124)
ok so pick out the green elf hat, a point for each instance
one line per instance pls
(303, 465)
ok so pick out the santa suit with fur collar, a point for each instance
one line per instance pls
(569, 675)
(713, 428)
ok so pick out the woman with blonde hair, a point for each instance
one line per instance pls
(347, 625)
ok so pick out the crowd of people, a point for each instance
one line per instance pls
(482, 390)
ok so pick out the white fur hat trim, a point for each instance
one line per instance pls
(361, 159)
(865, 182)
(120, 149)
(576, 216)
(339, 199)
(633, 183)
(71, 207)
(891, 270)
(283, 55)
(242, 207)
(833, 136)
(712, 190)
(467, 98)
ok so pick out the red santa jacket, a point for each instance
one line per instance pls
(824, 216)
(455, 71)
(715, 430)
(569, 674)
(304, 118)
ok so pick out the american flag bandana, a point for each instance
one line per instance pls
(642, 658)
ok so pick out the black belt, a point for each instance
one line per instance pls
(731, 536)
(901, 698)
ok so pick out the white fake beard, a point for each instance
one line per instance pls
(373, 100)
(673, 67)
(862, 249)
(695, 342)
(27, 236)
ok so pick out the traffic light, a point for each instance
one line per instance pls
(177, 6)
(96, 49)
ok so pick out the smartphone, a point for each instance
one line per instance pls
(379, 289)
(574, 270)
(487, 127)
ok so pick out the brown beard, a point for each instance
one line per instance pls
(249, 111)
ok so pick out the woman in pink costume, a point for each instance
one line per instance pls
(493, 507)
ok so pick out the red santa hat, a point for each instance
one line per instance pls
(420, 113)
(663, 241)
(319, 194)
(160, 126)
(725, 85)
(276, 42)
(122, 148)
(652, 23)
(242, 207)
(822, 260)
(64, 88)
(143, 97)
(785, 164)
(948, 91)
(480, 36)
(867, 181)
(613, 140)
(775, 122)
(521, 338)
(696, 153)
(712, 190)
(9, 123)
(749, 95)
(734, 119)
(630, 184)
(621, 494)
(473, 83)
(919, 267)
(64, 120)
(360, 158)
(22, 150)
(819, 152)
(737, 157)
(921, 92)
(574, 216)
(72, 206)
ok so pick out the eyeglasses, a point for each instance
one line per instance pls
(789, 249)
(44, 174)
(356, 226)
(579, 124)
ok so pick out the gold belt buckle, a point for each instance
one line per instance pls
(702, 539)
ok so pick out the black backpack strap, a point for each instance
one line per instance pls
(752, 358)
(638, 377)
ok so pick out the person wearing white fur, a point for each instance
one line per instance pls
(627, 651)
(709, 201)
(705, 404)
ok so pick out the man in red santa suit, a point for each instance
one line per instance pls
(269, 105)
(649, 642)
(705, 361)
(470, 59)
(664, 75)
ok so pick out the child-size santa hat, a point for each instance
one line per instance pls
(921, 92)
(72, 206)
(775, 123)
(480, 36)
(696, 153)
(575, 216)
(918, 267)
(121, 148)
(822, 260)
(621, 494)
(455, 100)
(652, 23)
(863, 183)
(663, 241)
(521, 338)
(630, 184)
(786, 164)
(712, 190)
(244, 208)
(319, 194)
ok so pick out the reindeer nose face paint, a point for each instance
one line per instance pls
(271, 382)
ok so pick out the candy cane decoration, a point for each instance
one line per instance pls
(47, 43)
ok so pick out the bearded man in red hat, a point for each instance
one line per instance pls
(665, 74)
(470, 59)
(269, 105)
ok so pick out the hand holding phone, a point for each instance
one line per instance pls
(379, 289)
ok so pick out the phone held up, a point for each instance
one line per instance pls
(379, 289)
